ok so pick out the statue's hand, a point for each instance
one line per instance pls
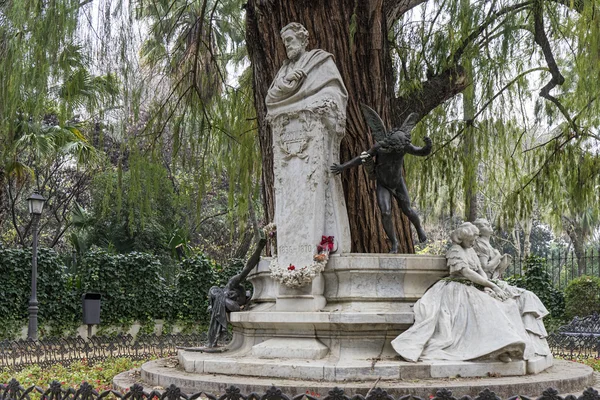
(296, 75)
(427, 141)
(501, 294)
(497, 293)
(336, 169)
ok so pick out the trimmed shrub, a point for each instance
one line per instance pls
(197, 275)
(57, 300)
(582, 297)
(538, 281)
(131, 286)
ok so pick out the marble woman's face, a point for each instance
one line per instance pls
(293, 45)
(486, 229)
(468, 241)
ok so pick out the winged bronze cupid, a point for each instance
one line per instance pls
(384, 161)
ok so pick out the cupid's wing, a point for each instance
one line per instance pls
(409, 122)
(375, 123)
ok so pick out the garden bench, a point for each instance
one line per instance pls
(582, 326)
(578, 339)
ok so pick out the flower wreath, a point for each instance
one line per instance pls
(294, 277)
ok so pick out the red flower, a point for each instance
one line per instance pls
(291, 267)
(326, 244)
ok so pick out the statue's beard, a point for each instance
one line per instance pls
(294, 53)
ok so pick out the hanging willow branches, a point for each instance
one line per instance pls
(535, 148)
(168, 94)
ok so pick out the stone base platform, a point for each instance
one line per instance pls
(308, 366)
(565, 376)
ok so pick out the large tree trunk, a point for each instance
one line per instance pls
(365, 65)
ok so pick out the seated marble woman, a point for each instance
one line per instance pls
(531, 308)
(465, 316)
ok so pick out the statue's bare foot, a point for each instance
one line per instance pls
(504, 357)
(394, 249)
(422, 236)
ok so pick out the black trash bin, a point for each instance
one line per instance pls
(91, 308)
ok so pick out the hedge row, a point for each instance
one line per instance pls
(132, 286)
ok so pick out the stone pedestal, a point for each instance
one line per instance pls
(309, 202)
(347, 342)
(306, 298)
(369, 303)
(369, 300)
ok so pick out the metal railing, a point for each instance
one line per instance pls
(578, 339)
(14, 391)
(563, 266)
(17, 354)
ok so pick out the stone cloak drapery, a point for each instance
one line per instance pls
(308, 119)
(322, 82)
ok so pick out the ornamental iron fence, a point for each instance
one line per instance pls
(563, 266)
(14, 391)
(578, 339)
(16, 354)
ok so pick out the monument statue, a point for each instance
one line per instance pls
(232, 297)
(493, 263)
(306, 108)
(465, 316)
(531, 308)
(389, 150)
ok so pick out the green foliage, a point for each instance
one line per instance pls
(537, 280)
(46, 90)
(143, 214)
(521, 164)
(57, 301)
(99, 374)
(592, 362)
(198, 274)
(582, 297)
(131, 286)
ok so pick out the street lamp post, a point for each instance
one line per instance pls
(36, 205)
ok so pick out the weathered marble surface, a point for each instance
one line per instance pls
(397, 378)
(306, 108)
(359, 282)
(467, 317)
(531, 308)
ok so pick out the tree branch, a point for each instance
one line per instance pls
(509, 84)
(395, 9)
(433, 92)
(546, 162)
(557, 78)
(481, 28)
(13, 213)
(576, 5)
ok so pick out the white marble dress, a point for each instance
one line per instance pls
(457, 321)
(531, 308)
